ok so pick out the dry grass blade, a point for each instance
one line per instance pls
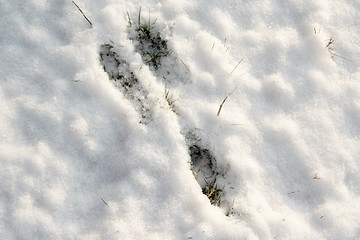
(331, 41)
(334, 54)
(184, 64)
(330, 49)
(139, 19)
(104, 202)
(82, 13)
(237, 65)
(221, 105)
(129, 19)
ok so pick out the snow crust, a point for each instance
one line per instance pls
(76, 163)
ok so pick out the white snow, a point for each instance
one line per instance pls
(77, 163)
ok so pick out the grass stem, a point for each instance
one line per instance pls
(184, 64)
(221, 105)
(237, 65)
(83, 14)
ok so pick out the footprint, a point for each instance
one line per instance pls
(165, 64)
(203, 166)
(168, 68)
(124, 79)
(149, 41)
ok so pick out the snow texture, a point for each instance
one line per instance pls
(100, 141)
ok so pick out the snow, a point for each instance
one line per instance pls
(85, 157)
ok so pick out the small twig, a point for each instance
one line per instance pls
(221, 105)
(237, 65)
(213, 46)
(83, 14)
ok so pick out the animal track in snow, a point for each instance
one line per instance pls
(124, 79)
(165, 65)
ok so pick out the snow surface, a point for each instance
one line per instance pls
(77, 164)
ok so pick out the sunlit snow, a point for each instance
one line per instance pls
(104, 136)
